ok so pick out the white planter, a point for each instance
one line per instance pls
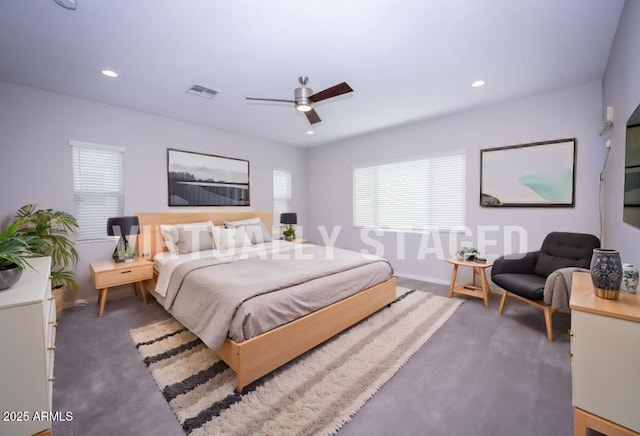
(629, 278)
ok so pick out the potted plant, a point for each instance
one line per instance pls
(467, 253)
(13, 250)
(125, 254)
(289, 233)
(50, 233)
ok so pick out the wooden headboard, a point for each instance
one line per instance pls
(150, 240)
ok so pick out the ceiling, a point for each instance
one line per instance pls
(406, 60)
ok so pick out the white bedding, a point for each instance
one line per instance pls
(165, 263)
(238, 273)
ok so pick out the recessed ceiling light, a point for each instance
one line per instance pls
(310, 132)
(478, 83)
(67, 4)
(109, 73)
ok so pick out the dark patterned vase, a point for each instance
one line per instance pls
(606, 273)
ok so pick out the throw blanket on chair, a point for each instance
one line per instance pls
(557, 288)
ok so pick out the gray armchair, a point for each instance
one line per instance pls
(523, 276)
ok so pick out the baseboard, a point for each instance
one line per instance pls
(68, 304)
(494, 288)
(114, 293)
(126, 291)
(422, 278)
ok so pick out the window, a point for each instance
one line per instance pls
(97, 187)
(282, 193)
(426, 193)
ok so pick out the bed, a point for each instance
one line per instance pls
(256, 356)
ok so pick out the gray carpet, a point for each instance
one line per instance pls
(480, 374)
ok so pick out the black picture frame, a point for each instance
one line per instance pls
(198, 179)
(537, 174)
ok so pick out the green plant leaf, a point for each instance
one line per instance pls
(50, 233)
(14, 247)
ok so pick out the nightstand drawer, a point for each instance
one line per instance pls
(107, 279)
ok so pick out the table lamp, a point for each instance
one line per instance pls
(123, 226)
(289, 219)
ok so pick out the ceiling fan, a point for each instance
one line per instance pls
(304, 97)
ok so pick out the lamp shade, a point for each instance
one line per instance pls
(123, 225)
(288, 218)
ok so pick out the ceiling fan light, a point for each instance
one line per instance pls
(303, 107)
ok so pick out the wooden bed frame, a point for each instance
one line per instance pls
(262, 354)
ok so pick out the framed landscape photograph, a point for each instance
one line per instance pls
(539, 174)
(197, 179)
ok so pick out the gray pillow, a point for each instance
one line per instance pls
(232, 238)
(254, 227)
(258, 233)
(187, 238)
(229, 224)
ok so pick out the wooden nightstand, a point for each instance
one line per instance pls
(107, 274)
(472, 290)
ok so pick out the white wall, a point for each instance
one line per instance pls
(574, 112)
(35, 166)
(621, 89)
(35, 158)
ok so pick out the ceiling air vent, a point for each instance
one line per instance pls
(202, 91)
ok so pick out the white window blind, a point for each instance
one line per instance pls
(426, 193)
(97, 188)
(282, 193)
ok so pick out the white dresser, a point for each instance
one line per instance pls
(605, 363)
(27, 339)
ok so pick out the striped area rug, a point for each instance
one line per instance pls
(316, 393)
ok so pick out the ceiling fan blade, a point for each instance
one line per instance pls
(334, 91)
(313, 116)
(270, 99)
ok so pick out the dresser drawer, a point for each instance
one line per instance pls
(50, 325)
(107, 279)
(48, 301)
(50, 378)
(25, 311)
(605, 363)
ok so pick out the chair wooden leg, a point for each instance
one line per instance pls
(453, 280)
(503, 300)
(548, 322)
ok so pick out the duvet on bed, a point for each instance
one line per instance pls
(242, 296)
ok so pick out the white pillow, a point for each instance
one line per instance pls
(254, 227)
(230, 238)
(189, 237)
(170, 235)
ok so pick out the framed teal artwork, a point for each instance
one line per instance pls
(539, 174)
